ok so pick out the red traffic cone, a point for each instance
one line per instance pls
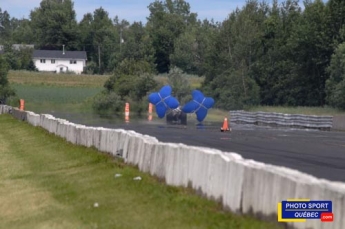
(225, 126)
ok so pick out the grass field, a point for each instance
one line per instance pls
(52, 79)
(44, 92)
(64, 98)
(46, 182)
(66, 92)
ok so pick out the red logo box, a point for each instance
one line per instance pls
(326, 217)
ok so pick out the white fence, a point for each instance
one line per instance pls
(279, 119)
(243, 186)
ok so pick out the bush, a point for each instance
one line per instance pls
(235, 92)
(180, 84)
(107, 103)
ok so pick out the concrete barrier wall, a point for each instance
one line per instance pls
(19, 114)
(4, 109)
(279, 119)
(240, 185)
(339, 122)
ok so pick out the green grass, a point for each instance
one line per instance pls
(299, 110)
(44, 92)
(52, 79)
(46, 182)
(63, 98)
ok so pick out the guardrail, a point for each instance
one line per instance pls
(240, 185)
(279, 119)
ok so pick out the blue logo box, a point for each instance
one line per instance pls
(305, 209)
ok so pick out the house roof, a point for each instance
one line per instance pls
(58, 54)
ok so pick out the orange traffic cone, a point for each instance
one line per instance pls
(21, 104)
(127, 112)
(225, 126)
(127, 109)
(150, 108)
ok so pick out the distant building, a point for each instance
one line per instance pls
(18, 47)
(22, 46)
(59, 61)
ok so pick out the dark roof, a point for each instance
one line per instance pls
(58, 54)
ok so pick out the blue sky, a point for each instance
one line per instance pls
(131, 10)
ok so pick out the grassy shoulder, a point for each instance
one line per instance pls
(48, 183)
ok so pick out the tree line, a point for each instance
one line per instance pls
(287, 53)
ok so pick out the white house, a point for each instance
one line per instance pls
(59, 61)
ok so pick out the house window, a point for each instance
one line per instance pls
(73, 62)
(53, 61)
(43, 61)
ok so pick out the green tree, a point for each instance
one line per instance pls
(335, 86)
(166, 22)
(312, 49)
(131, 82)
(180, 84)
(125, 77)
(100, 39)
(275, 70)
(23, 33)
(102, 32)
(85, 37)
(107, 103)
(143, 86)
(31, 66)
(6, 26)
(236, 48)
(335, 20)
(54, 24)
(135, 44)
(231, 94)
(193, 47)
(5, 89)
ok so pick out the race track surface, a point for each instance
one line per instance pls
(319, 153)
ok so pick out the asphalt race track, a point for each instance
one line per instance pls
(320, 153)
